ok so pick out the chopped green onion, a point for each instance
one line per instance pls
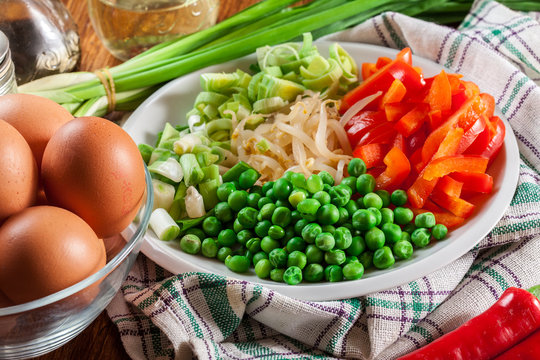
(163, 225)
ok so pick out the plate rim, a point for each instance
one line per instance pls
(154, 248)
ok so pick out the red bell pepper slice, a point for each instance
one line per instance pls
(361, 123)
(380, 133)
(482, 140)
(397, 169)
(454, 204)
(440, 93)
(413, 120)
(510, 320)
(395, 111)
(489, 102)
(474, 182)
(395, 93)
(399, 68)
(437, 168)
(372, 154)
(435, 118)
(382, 61)
(399, 142)
(420, 190)
(448, 146)
(368, 69)
(528, 349)
(449, 186)
(471, 134)
(496, 141)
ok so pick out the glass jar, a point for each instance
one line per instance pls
(128, 27)
(42, 36)
(7, 71)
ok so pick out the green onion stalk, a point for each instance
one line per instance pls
(268, 22)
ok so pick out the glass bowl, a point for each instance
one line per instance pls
(40, 326)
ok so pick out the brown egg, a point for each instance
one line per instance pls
(4, 301)
(18, 172)
(92, 167)
(35, 117)
(44, 250)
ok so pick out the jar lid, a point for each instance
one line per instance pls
(4, 46)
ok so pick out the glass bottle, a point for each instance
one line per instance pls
(43, 37)
(128, 27)
(7, 71)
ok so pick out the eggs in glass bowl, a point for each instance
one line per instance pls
(68, 188)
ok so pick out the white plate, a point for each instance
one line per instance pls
(175, 99)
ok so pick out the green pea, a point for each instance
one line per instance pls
(387, 215)
(314, 255)
(356, 167)
(263, 201)
(409, 228)
(366, 259)
(261, 228)
(287, 175)
(223, 253)
(360, 203)
(329, 229)
(281, 216)
(402, 250)
(296, 197)
(237, 263)
(439, 231)
(283, 203)
(326, 178)
(343, 238)
(226, 237)
(293, 275)
(263, 267)
(296, 244)
(378, 215)
(353, 271)
(349, 259)
(399, 197)
(350, 181)
(343, 216)
(365, 184)
(267, 186)
(310, 232)
(335, 257)
(190, 243)
(392, 233)
(248, 217)
(211, 226)
(385, 196)
(333, 273)
(298, 180)
(425, 220)
(224, 190)
(237, 226)
(322, 196)
(253, 200)
(282, 188)
(249, 254)
(256, 189)
(327, 187)
(405, 236)
(299, 226)
(209, 248)
(295, 216)
(271, 195)
(277, 275)
(248, 178)
(340, 195)
(223, 212)
(313, 273)
(297, 258)
(259, 255)
(328, 214)
(289, 234)
(374, 238)
(351, 207)
(276, 232)
(314, 183)
(197, 232)
(358, 245)
(383, 258)
(325, 241)
(373, 200)
(267, 211)
(420, 237)
(364, 219)
(403, 215)
(254, 245)
(308, 207)
(278, 257)
(244, 236)
(237, 199)
(268, 244)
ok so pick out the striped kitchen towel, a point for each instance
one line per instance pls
(204, 316)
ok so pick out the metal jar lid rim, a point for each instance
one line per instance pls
(4, 46)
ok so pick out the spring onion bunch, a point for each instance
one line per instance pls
(268, 22)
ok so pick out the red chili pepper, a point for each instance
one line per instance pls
(528, 349)
(511, 319)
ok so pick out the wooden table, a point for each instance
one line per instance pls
(101, 339)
